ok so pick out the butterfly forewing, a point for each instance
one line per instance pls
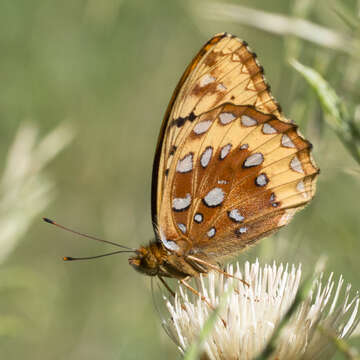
(230, 168)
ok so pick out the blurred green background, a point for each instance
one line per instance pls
(107, 69)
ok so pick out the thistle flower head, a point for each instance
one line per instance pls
(251, 314)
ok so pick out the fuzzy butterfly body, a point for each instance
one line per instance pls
(229, 168)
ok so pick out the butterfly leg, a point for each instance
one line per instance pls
(194, 291)
(169, 290)
(211, 266)
(166, 286)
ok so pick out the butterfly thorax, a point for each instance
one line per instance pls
(155, 260)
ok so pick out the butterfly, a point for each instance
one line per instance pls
(229, 168)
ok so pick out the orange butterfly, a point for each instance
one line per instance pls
(229, 168)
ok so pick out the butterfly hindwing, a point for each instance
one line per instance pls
(237, 166)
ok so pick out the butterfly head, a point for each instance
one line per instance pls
(146, 260)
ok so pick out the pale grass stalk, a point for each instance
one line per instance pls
(25, 189)
(277, 24)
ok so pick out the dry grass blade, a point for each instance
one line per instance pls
(25, 190)
(338, 117)
(278, 24)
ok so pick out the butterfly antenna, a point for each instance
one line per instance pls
(69, 258)
(87, 236)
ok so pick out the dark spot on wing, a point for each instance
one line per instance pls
(180, 121)
(192, 117)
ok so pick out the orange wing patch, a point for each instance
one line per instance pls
(235, 166)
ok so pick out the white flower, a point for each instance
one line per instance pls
(251, 314)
